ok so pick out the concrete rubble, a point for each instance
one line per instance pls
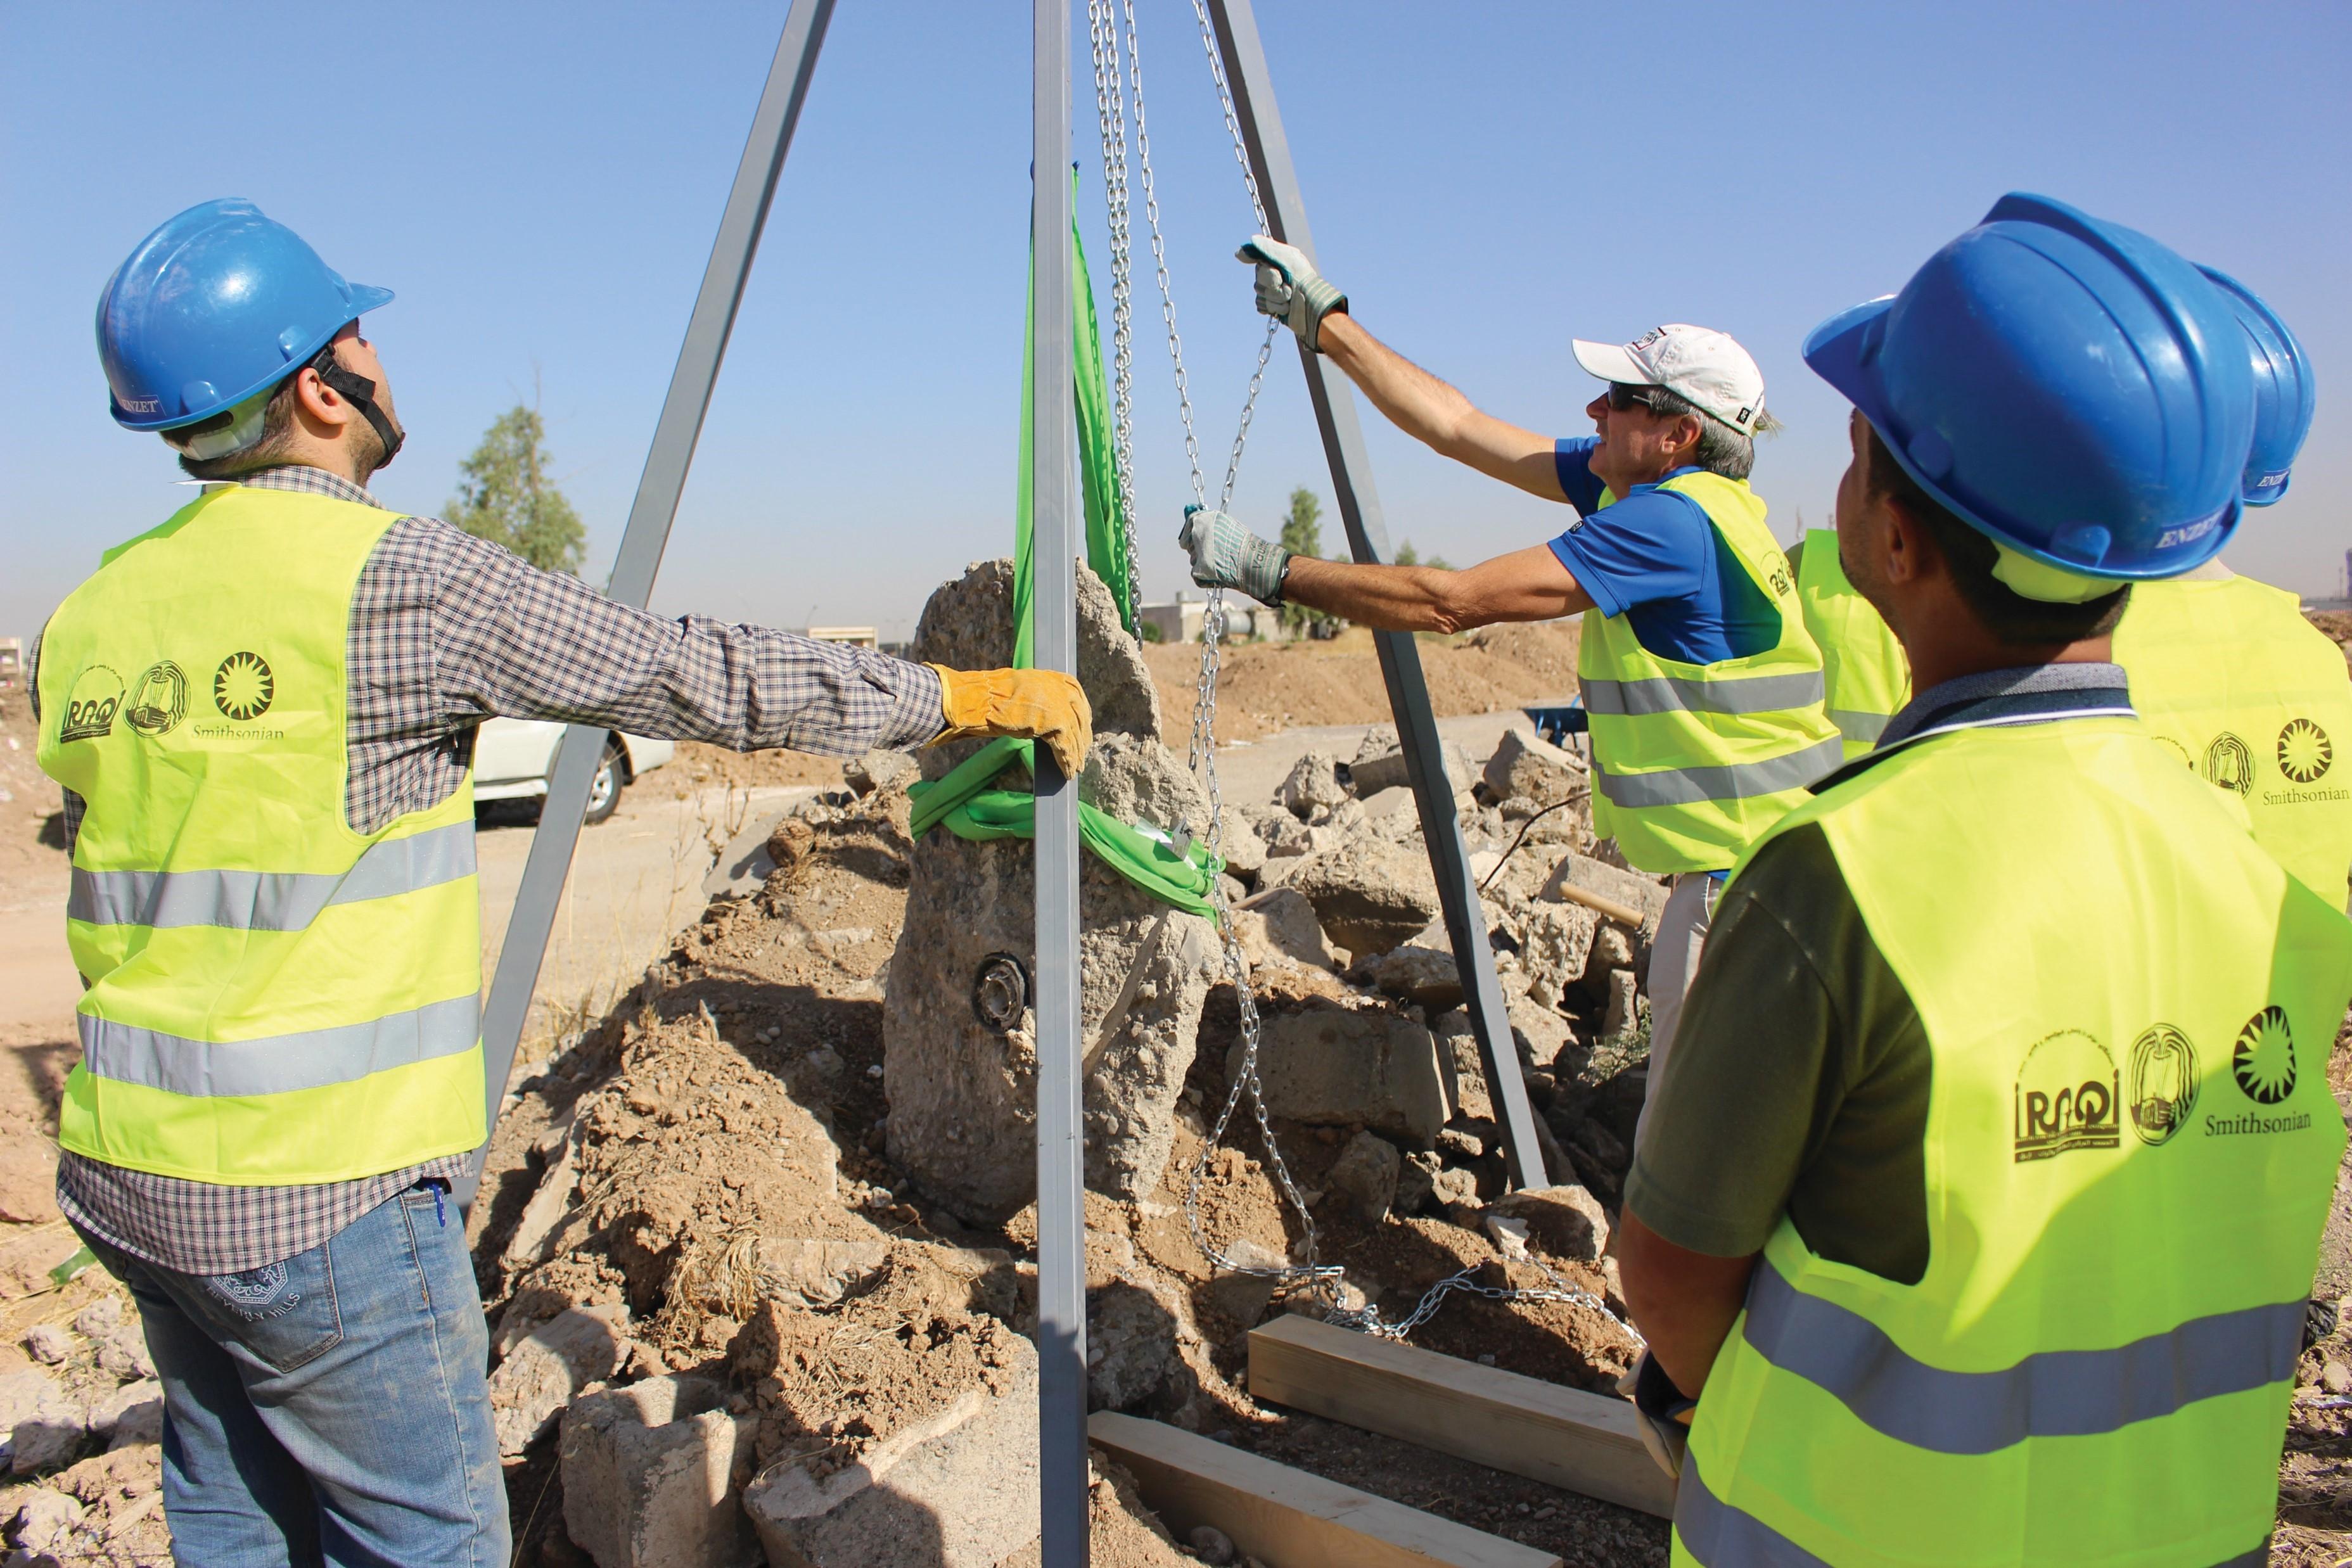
(759, 1245)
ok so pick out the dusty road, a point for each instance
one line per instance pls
(636, 879)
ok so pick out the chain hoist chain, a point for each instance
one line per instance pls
(1112, 108)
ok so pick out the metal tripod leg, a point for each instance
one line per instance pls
(1055, 548)
(1359, 509)
(642, 541)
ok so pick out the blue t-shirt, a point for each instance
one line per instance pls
(1654, 558)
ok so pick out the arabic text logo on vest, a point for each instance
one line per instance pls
(92, 704)
(161, 701)
(2068, 1097)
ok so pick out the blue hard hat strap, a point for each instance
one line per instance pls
(359, 392)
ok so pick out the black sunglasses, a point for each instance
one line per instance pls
(1622, 397)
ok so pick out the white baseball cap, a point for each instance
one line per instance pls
(1705, 368)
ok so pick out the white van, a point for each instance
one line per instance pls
(512, 757)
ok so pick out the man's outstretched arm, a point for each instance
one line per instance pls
(1526, 585)
(1423, 407)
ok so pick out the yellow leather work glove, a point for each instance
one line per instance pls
(1025, 705)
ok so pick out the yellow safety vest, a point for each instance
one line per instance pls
(274, 999)
(2256, 700)
(1693, 761)
(2130, 1150)
(1863, 666)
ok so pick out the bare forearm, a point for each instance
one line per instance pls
(1682, 1302)
(1526, 585)
(1385, 598)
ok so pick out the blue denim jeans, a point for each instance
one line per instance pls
(332, 1408)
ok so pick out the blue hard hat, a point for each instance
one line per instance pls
(2069, 387)
(2285, 396)
(218, 304)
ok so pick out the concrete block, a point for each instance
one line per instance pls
(1526, 767)
(1333, 1066)
(650, 1477)
(542, 1374)
(959, 1490)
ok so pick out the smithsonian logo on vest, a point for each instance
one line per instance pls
(2263, 1064)
(243, 688)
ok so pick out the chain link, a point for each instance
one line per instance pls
(1107, 28)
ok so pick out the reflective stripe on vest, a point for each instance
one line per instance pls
(2050, 1393)
(274, 999)
(2130, 1155)
(1692, 761)
(281, 1063)
(1732, 782)
(1711, 1533)
(2256, 701)
(269, 901)
(1867, 677)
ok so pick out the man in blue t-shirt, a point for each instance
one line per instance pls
(1680, 400)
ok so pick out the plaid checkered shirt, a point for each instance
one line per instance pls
(446, 630)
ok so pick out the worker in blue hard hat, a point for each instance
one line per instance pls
(1704, 687)
(1978, 1205)
(2224, 669)
(262, 712)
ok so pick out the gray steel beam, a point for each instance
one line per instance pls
(1055, 547)
(1359, 510)
(658, 488)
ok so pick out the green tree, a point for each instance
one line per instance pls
(505, 496)
(1408, 556)
(1302, 534)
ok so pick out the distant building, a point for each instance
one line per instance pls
(856, 636)
(1180, 621)
(12, 663)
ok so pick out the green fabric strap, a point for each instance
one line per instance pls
(964, 804)
(1098, 467)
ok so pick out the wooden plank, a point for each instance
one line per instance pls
(1286, 1518)
(1564, 1436)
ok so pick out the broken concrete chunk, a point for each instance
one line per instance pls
(821, 1272)
(1422, 971)
(1244, 850)
(547, 1370)
(959, 1053)
(959, 1490)
(1313, 781)
(1542, 1034)
(47, 1425)
(107, 1415)
(1645, 893)
(1510, 1235)
(44, 1521)
(1564, 1221)
(1555, 945)
(99, 1319)
(1130, 1345)
(1370, 893)
(1332, 1067)
(1366, 1173)
(1416, 1180)
(879, 769)
(48, 1343)
(1625, 1018)
(1281, 928)
(1464, 1071)
(650, 1477)
(1374, 771)
(1456, 1191)
(1526, 766)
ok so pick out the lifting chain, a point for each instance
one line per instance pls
(1111, 24)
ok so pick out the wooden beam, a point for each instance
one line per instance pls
(1563, 1436)
(1286, 1518)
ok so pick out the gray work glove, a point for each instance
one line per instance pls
(1227, 555)
(1663, 1412)
(1290, 291)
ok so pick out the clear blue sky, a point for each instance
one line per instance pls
(541, 183)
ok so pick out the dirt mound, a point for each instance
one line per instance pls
(2337, 623)
(1266, 686)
